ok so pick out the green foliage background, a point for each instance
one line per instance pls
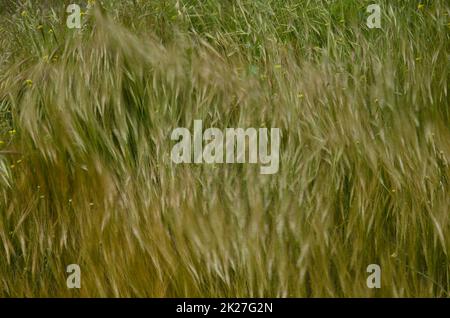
(86, 177)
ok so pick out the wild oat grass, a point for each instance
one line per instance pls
(85, 169)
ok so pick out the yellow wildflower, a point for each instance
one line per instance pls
(420, 6)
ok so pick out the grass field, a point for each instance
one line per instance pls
(85, 170)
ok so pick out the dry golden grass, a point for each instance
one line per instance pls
(86, 177)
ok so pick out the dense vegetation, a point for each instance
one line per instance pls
(85, 169)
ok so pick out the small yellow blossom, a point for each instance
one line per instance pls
(12, 131)
(300, 95)
(420, 6)
(2, 142)
(13, 166)
(24, 13)
(29, 82)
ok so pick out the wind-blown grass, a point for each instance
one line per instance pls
(85, 170)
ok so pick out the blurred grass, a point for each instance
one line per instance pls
(86, 178)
